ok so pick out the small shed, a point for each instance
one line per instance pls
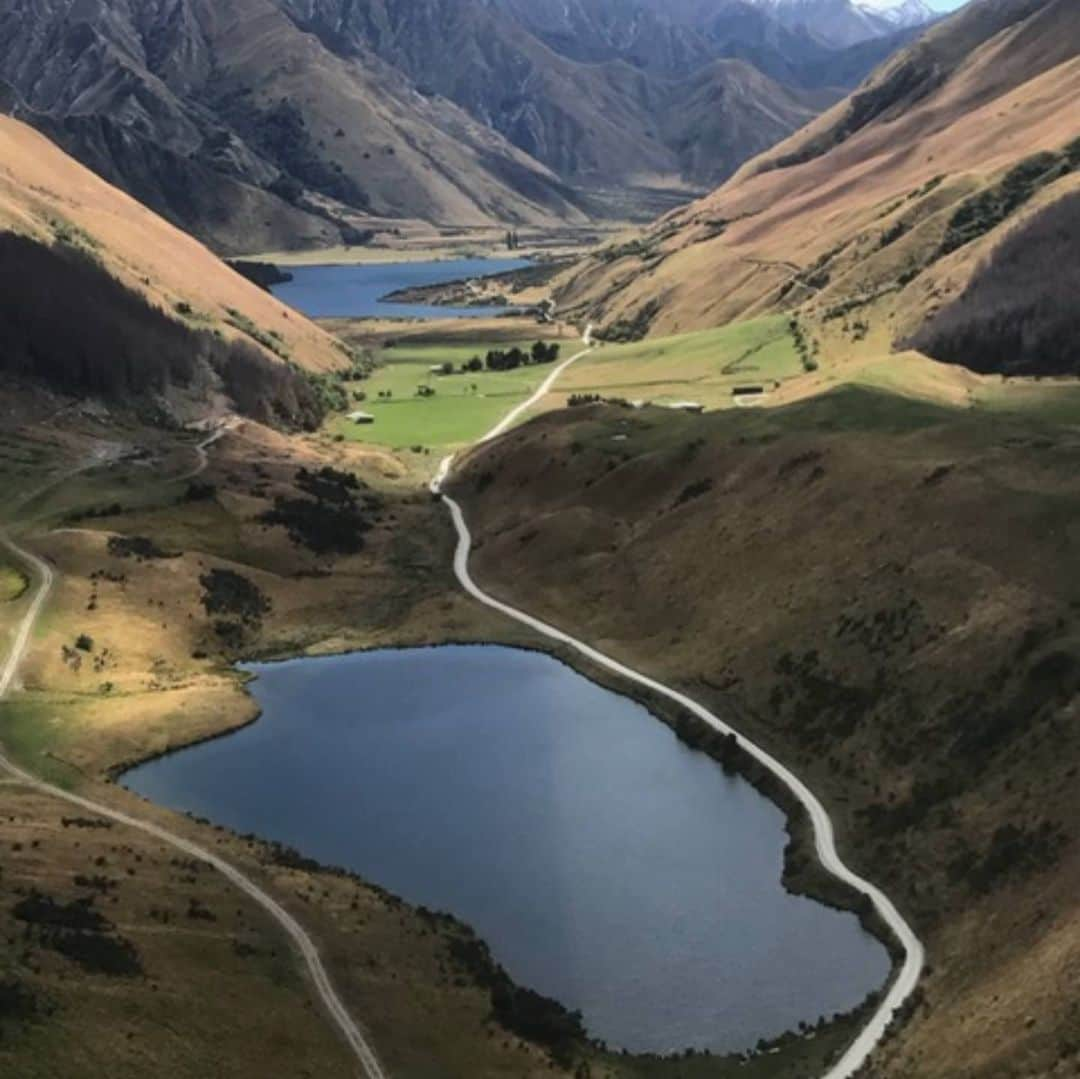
(687, 406)
(361, 417)
(746, 396)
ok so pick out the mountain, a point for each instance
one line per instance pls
(887, 205)
(296, 121)
(604, 92)
(230, 120)
(901, 12)
(151, 318)
(841, 23)
(837, 23)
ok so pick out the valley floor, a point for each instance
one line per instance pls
(885, 580)
(111, 937)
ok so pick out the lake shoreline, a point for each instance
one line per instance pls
(359, 290)
(277, 657)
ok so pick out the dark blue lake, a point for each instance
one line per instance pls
(606, 864)
(358, 291)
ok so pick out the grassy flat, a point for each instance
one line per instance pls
(463, 408)
(703, 367)
(13, 582)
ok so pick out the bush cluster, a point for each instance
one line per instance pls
(331, 520)
(112, 343)
(983, 212)
(1018, 315)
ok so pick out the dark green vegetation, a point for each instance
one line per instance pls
(271, 341)
(634, 328)
(985, 211)
(236, 605)
(111, 343)
(228, 593)
(528, 1014)
(511, 360)
(13, 582)
(78, 932)
(332, 519)
(1019, 315)
(18, 1004)
(135, 547)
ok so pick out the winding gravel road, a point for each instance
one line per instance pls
(849, 1063)
(45, 579)
(907, 978)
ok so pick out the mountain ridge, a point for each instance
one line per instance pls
(861, 199)
(298, 121)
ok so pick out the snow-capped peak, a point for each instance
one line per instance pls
(899, 12)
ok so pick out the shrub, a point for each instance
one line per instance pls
(135, 547)
(17, 1001)
(228, 593)
(329, 392)
(42, 910)
(694, 490)
(523, 1012)
(983, 212)
(268, 339)
(200, 492)
(633, 328)
(331, 521)
(97, 952)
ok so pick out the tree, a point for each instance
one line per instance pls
(542, 353)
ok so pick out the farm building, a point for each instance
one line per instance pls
(746, 396)
(361, 417)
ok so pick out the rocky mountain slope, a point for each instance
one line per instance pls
(263, 124)
(604, 91)
(881, 211)
(846, 22)
(230, 120)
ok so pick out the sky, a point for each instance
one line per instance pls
(947, 5)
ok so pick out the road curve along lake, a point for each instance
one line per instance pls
(606, 864)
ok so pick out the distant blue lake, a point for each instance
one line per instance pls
(358, 291)
(605, 863)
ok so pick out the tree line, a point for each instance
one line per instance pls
(511, 359)
(1019, 314)
(68, 322)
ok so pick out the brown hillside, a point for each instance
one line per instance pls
(857, 205)
(886, 594)
(46, 195)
